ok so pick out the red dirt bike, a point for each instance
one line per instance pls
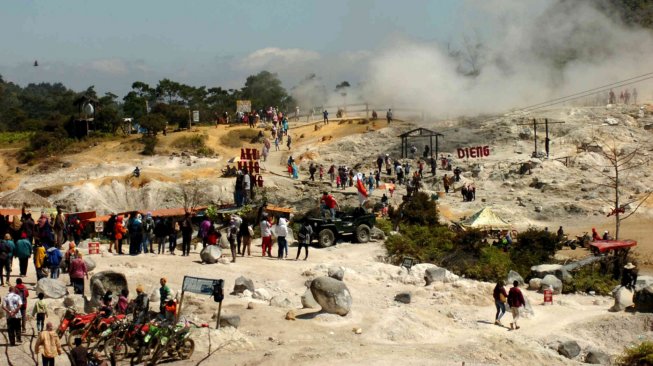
(73, 321)
(86, 326)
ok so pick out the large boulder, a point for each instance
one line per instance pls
(535, 284)
(540, 271)
(514, 276)
(564, 275)
(211, 254)
(623, 298)
(104, 281)
(595, 357)
(437, 274)
(644, 299)
(308, 302)
(337, 272)
(90, 263)
(51, 288)
(569, 349)
(552, 282)
(242, 284)
(332, 295)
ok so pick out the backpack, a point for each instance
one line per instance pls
(53, 257)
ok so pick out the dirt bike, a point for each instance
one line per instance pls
(146, 343)
(176, 342)
(120, 338)
(92, 331)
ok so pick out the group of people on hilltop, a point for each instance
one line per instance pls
(624, 96)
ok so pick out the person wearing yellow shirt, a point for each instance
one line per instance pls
(39, 260)
(49, 340)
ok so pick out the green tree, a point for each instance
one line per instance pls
(264, 89)
(153, 123)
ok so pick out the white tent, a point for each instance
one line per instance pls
(486, 219)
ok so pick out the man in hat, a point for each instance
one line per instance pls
(141, 305)
(629, 276)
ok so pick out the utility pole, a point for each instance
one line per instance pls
(535, 123)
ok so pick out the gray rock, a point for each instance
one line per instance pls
(553, 282)
(595, 357)
(545, 269)
(51, 288)
(280, 302)
(623, 298)
(403, 297)
(437, 274)
(564, 275)
(90, 263)
(155, 295)
(104, 281)
(377, 233)
(261, 294)
(644, 300)
(211, 254)
(337, 272)
(535, 284)
(230, 321)
(242, 284)
(332, 295)
(642, 282)
(514, 276)
(308, 302)
(569, 349)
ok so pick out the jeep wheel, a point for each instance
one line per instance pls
(363, 233)
(327, 238)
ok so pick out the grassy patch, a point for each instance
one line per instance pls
(236, 138)
(641, 354)
(194, 143)
(12, 138)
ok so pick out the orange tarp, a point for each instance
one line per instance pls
(10, 211)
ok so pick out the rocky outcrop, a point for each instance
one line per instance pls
(51, 288)
(403, 297)
(211, 254)
(552, 282)
(569, 349)
(514, 276)
(308, 302)
(336, 272)
(104, 281)
(437, 274)
(242, 284)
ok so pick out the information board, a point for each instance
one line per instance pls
(198, 285)
(244, 106)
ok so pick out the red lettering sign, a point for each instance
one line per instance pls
(473, 152)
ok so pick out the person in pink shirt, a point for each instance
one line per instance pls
(77, 273)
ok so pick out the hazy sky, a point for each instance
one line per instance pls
(110, 44)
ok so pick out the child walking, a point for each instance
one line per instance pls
(41, 311)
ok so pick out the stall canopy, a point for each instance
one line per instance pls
(486, 219)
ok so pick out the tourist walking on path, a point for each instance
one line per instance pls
(500, 297)
(39, 260)
(11, 304)
(7, 249)
(515, 301)
(186, 234)
(232, 233)
(49, 340)
(77, 273)
(266, 235)
(22, 291)
(304, 236)
(246, 237)
(40, 311)
(282, 232)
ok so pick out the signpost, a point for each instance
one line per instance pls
(202, 286)
(408, 263)
(196, 116)
(244, 106)
(93, 248)
(99, 226)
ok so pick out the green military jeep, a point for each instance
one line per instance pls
(351, 225)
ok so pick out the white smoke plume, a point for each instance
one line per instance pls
(523, 58)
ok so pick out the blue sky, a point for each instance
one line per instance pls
(109, 44)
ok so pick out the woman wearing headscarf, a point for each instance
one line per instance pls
(44, 231)
(136, 235)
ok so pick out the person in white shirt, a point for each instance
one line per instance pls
(282, 232)
(11, 304)
(266, 235)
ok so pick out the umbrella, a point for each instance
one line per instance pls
(233, 160)
(22, 196)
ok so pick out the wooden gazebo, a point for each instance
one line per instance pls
(420, 133)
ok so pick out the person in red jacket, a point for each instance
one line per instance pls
(515, 301)
(500, 296)
(22, 291)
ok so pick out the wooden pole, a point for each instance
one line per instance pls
(181, 303)
(535, 135)
(217, 325)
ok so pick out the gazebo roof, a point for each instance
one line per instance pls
(420, 132)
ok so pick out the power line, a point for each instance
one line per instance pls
(588, 92)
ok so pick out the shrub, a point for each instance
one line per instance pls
(532, 247)
(196, 143)
(419, 210)
(154, 122)
(43, 144)
(641, 354)
(149, 144)
(384, 225)
(492, 265)
(236, 138)
(425, 243)
(586, 280)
